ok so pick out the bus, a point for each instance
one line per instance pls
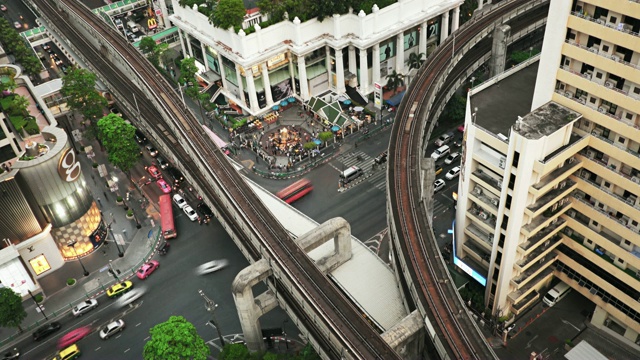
(295, 191)
(166, 217)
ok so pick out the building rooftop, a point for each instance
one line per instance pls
(503, 99)
(545, 120)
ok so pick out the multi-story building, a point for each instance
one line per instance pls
(259, 67)
(551, 171)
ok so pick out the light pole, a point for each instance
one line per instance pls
(211, 306)
(473, 78)
(113, 271)
(38, 305)
(120, 253)
(284, 332)
(73, 246)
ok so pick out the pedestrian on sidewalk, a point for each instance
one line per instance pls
(98, 200)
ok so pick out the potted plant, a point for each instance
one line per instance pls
(71, 281)
(39, 298)
(119, 200)
(95, 165)
(130, 214)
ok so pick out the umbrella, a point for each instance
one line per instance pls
(284, 103)
(275, 107)
(318, 142)
(347, 102)
(291, 100)
(335, 128)
(358, 108)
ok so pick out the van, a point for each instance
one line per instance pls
(350, 174)
(440, 152)
(133, 26)
(444, 139)
(556, 294)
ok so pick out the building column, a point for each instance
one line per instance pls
(353, 68)
(267, 84)
(240, 87)
(203, 48)
(327, 64)
(340, 88)
(251, 89)
(375, 77)
(480, 3)
(222, 74)
(400, 53)
(292, 76)
(186, 38)
(422, 42)
(302, 78)
(364, 71)
(444, 31)
(455, 21)
(181, 36)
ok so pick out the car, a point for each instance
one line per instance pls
(11, 354)
(64, 69)
(46, 46)
(140, 138)
(451, 158)
(146, 269)
(118, 23)
(46, 330)
(191, 214)
(511, 330)
(3, 7)
(130, 297)
(83, 307)
(119, 289)
(176, 175)
(444, 139)
(151, 150)
(163, 186)
(69, 353)
(453, 173)
(73, 336)
(438, 185)
(17, 25)
(154, 172)
(58, 61)
(381, 159)
(112, 328)
(438, 170)
(179, 201)
(162, 162)
(211, 266)
(204, 210)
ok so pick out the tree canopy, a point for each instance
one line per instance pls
(79, 88)
(11, 309)
(228, 13)
(16, 44)
(118, 138)
(175, 339)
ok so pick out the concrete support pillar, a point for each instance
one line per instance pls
(240, 86)
(364, 71)
(182, 45)
(422, 42)
(498, 59)
(327, 64)
(375, 76)
(353, 68)
(302, 77)
(480, 4)
(455, 21)
(400, 53)
(249, 308)
(204, 56)
(222, 72)
(186, 39)
(267, 84)
(407, 336)
(340, 88)
(599, 316)
(251, 89)
(292, 76)
(444, 31)
(337, 229)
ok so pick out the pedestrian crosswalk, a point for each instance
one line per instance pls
(439, 207)
(374, 174)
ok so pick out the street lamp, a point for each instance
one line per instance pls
(211, 306)
(284, 332)
(473, 78)
(38, 305)
(113, 271)
(120, 252)
(73, 246)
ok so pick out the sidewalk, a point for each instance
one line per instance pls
(138, 246)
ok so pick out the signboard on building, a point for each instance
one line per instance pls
(277, 61)
(377, 95)
(68, 167)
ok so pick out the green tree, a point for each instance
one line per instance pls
(147, 45)
(234, 352)
(415, 61)
(394, 80)
(228, 13)
(11, 309)
(176, 339)
(18, 105)
(79, 89)
(466, 10)
(118, 138)
(325, 136)
(455, 109)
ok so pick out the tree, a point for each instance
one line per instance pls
(176, 339)
(18, 105)
(394, 80)
(325, 136)
(147, 45)
(79, 88)
(118, 138)
(228, 13)
(234, 352)
(11, 309)
(415, 61)
(455, 109)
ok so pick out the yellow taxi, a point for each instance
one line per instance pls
(70, 352)
(119, 289)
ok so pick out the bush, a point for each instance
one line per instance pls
(130, 213)
(18, 122)
(32, 127)
(71, 281)
(39, 298)
(95, 165)
(119, 199)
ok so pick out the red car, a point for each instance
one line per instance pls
(73, 336)
(163, 186)
(146, 269)
(154, 172)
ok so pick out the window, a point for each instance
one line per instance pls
(613, 19)
(605, 48)
(505, 222)
(594, 223)
(598, 75)
(612, 107)
(580, 93)
(620, 260)
(629, 116)
(589, 242)
(501, 241)
(627, 242)
(621, 140)
(634, 223)
(496, 273)
(636, 90)
(516, 159)
(508, 202)
(607, 184)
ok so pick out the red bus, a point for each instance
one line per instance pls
(166, 217)
(295, 191)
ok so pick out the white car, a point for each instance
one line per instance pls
(453, 173)
(211, 266)
(179, 201)
(84, 307)
(112, 328)
(451, 158)
(438, 185)
(130, 297)
(191, 214)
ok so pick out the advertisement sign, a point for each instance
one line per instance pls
(377, 95)
(68, 167)
(39, 264)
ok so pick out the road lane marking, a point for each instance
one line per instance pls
(127, 350)
(530, 341)
(98, 348)
(570, 324)
(147, 338)
(138, 324)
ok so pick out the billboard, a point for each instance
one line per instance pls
(377, 95)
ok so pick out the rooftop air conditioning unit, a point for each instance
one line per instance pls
(572, 160)
(554, 221)
(494, 202)
(563, 184)
(635, 179)
(591, 154)
(608, 84)
(502, 162)
(582, 101)
(568, 231)
(602, 110)
(615, 57)
(477, 189)
(572, 213)
(483, 215)
(499, 183)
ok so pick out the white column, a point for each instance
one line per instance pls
(400, 53)
(352, 60)
(364, 71)
(186, 38)
(292, 76)
(184, 49)
(340, 88)
(222, 74)
(240, 87)
(302, 77)
(455, 21)
(251, 89)
(480, 3)
(327, 64)
(375, 76)
(444, 30)
(266, 84)
(203, 48)
(422, 42)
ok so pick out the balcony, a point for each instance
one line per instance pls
(607, 24)
(539, 254)
(488, 180)
(518, 295)
(615, 58)
(539, 221)
(477, 257)
(628, 205)
(481, 237)
(551, 197)
(617, 146)
(480, 195)
(557, 175)
(613, 219)
(614, 176)
(542, 235)
(525, 302)
(482, 216)
(560, 155)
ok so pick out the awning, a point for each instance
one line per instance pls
(395, 100)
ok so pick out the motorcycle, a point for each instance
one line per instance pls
(164, 248)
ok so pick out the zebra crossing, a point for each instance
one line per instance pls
(439, 207)
(375, 175)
